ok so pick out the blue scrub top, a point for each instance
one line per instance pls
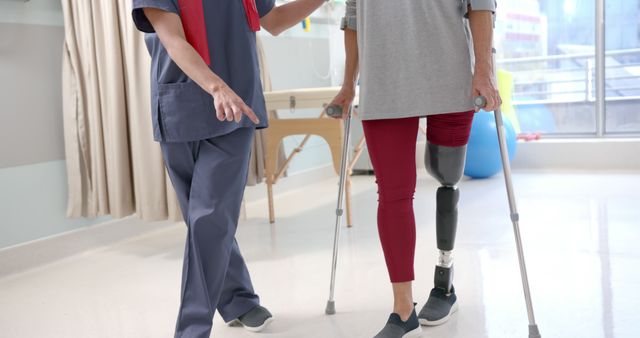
(181, 110)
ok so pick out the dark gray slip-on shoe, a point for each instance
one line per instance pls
(439, 308)
(396, 328)
(256, 320)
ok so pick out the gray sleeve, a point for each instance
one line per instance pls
(140, 19)
(481, 5)
(265, 6)
(350, 19)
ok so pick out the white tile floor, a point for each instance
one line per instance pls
(581, 232)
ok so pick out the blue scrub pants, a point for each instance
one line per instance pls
(209, 177)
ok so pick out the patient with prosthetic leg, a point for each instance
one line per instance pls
(434, 61)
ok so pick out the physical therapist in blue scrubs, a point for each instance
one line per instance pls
(207, 101)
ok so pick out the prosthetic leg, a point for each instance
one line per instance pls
(446, 164)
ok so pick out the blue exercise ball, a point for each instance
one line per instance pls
(483, 152)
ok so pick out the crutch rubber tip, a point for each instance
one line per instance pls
(533, 331)
(331, 308)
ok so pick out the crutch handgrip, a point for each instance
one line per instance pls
(480, 101)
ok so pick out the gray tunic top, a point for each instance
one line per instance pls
(415, 56)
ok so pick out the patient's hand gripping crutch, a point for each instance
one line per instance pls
(331, 305)
(515, 216)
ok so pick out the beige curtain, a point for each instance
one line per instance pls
(113, 165)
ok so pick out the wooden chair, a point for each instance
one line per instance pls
(331, 130)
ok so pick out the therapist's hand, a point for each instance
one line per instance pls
(229, 106)
(344, 99)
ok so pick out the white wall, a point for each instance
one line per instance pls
(34, 200)
(299, 59)
(34, 12)
(289, 61)
(30, 64)
(33, 190)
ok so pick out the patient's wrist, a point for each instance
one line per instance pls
(483, 67)
(348, 85)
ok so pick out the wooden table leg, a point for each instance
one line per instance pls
(272, 212)
(348, 198)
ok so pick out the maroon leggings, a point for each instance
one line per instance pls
(392, 148)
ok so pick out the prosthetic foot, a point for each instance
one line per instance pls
(446, 164)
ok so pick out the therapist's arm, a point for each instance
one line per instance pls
(168, 26)
(281, 18)
(484, 80)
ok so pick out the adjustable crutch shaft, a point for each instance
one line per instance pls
(515, 219)
(331, 305)
(515, 216)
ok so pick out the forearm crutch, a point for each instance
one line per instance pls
(331, 304)
(515, 216)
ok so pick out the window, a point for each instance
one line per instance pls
(622, 80)
(548, 72)
(546, 52)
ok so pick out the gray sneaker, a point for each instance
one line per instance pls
(396, 328)
(256, 320)
(439, 308)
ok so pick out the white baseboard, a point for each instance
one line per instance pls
(579, 154)
(30, 255)
(571, 154)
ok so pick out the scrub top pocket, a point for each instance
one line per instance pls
(180, 110)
